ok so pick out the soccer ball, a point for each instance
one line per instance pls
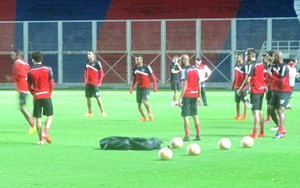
(177, 142)
(247, 142)
(193, 149)
(224, 143)
(165, 154)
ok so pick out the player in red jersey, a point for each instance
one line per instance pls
(239, 77)
(255, 77)
(280, 98)
(41, 84)
(20, 69)
(141, 76)
(93, 80)
(190, 97)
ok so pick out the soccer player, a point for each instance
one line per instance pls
(190, 97)
(141, 74)
(293, 74)
(41, 84)
(204, 73)
(175, 70)
(19, 77)
(93, 80)
(280, 97)
(255, 77)
(239, 77)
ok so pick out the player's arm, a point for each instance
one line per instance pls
(51, 80)
(183, 86)
(133, 81)
(100, 76)
(154, 82)
(29, 82)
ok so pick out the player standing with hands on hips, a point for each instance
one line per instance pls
(41, 84)
(175, 69)
(190, 97)
(93, 77)
(141, 76)
(204, 73)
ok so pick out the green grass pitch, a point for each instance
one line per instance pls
(75, 160)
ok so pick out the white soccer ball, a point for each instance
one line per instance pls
(247, 142)
(165, 154)
(224, 143)
(177, 142)
(193, 149)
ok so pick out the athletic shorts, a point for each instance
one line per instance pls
(175, 85)
(280, 99)
(22, 98)
(44, 105)
(243, 97)
(142, 94)
(189, 107)
(91, 91)
(256, 101)
(269, 95)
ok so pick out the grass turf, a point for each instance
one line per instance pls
(75, 160)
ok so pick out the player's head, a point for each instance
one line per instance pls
(185, 60)
(37, 57)
(239, 58)
(15, 54)
(91, 56)
(250, 55)
(175, 59)
(139, 60)
(294, 62)
(278, 57)
(198, 61)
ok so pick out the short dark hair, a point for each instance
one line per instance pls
(251, 51)
(198, 59)
(270, 53)
(37, 56)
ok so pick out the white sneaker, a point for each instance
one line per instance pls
(40, 143)
(274, 128)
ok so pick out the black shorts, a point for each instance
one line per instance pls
(22, 98)
(91, 91)
(42, 104)
(269, 96)
(280, 99)
(175, 85)
(256, 101)
(243, 97)
(189, 107)
(142, 94)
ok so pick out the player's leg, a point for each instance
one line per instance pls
(37, 115)
(194, 113)
(261, 116)
(26, 113)
(203, 93)
(96, 94)
(237, 105)
(88, 95)
(256, 115)
(139, 100)
(273, 109)
(185, 111)
(283, 97)
(146, 93)
(246, 102)
(47, 111)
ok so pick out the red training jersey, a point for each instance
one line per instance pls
(20, 70)
(40, 81)
(239, 76)
(255, 70)
(142, 75)
(93, 73)
(281, 77)
(191, 75)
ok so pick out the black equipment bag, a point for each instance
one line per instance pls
(129, 143)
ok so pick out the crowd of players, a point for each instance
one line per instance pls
(270, 75)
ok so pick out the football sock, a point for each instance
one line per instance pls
(198, 131)
(187, 132)
(46, 130)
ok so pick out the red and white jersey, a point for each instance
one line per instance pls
(239, 76)
(142, 76)
(20, 70)
(93, 73)
(40, 81)
(293, 74)
(190, 74)
(281, 77)
(255, 70)
(204, 72)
